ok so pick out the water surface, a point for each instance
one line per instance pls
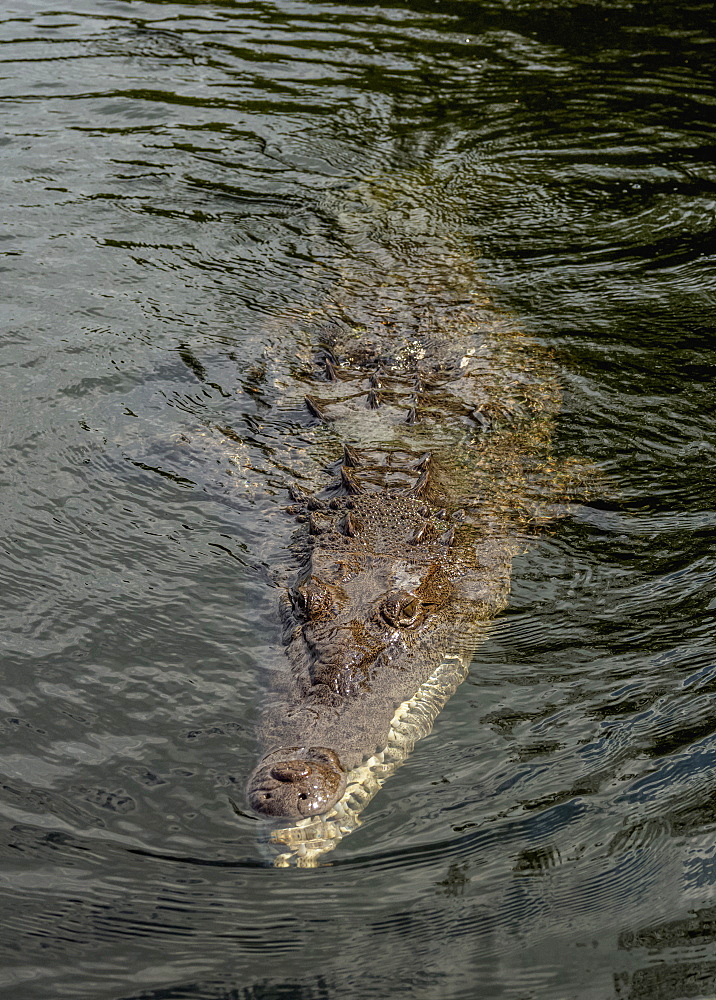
(182, 183)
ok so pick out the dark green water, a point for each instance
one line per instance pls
(177, 178)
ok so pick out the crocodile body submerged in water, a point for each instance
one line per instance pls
(440, 415)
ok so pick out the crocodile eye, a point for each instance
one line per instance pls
(401, 609)
(310, 600)
(314, 600)
(409, 611)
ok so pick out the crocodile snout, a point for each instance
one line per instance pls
(294, 782)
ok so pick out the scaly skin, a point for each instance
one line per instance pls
(445, 420)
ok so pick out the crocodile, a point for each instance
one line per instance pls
(440, 412)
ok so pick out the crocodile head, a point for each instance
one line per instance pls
(364, 606)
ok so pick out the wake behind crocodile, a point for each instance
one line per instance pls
(436, 413)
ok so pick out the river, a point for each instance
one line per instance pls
(182, 182)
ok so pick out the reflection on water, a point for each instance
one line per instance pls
(183, 184)
(681, 948)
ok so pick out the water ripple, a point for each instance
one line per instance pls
(184, 185)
